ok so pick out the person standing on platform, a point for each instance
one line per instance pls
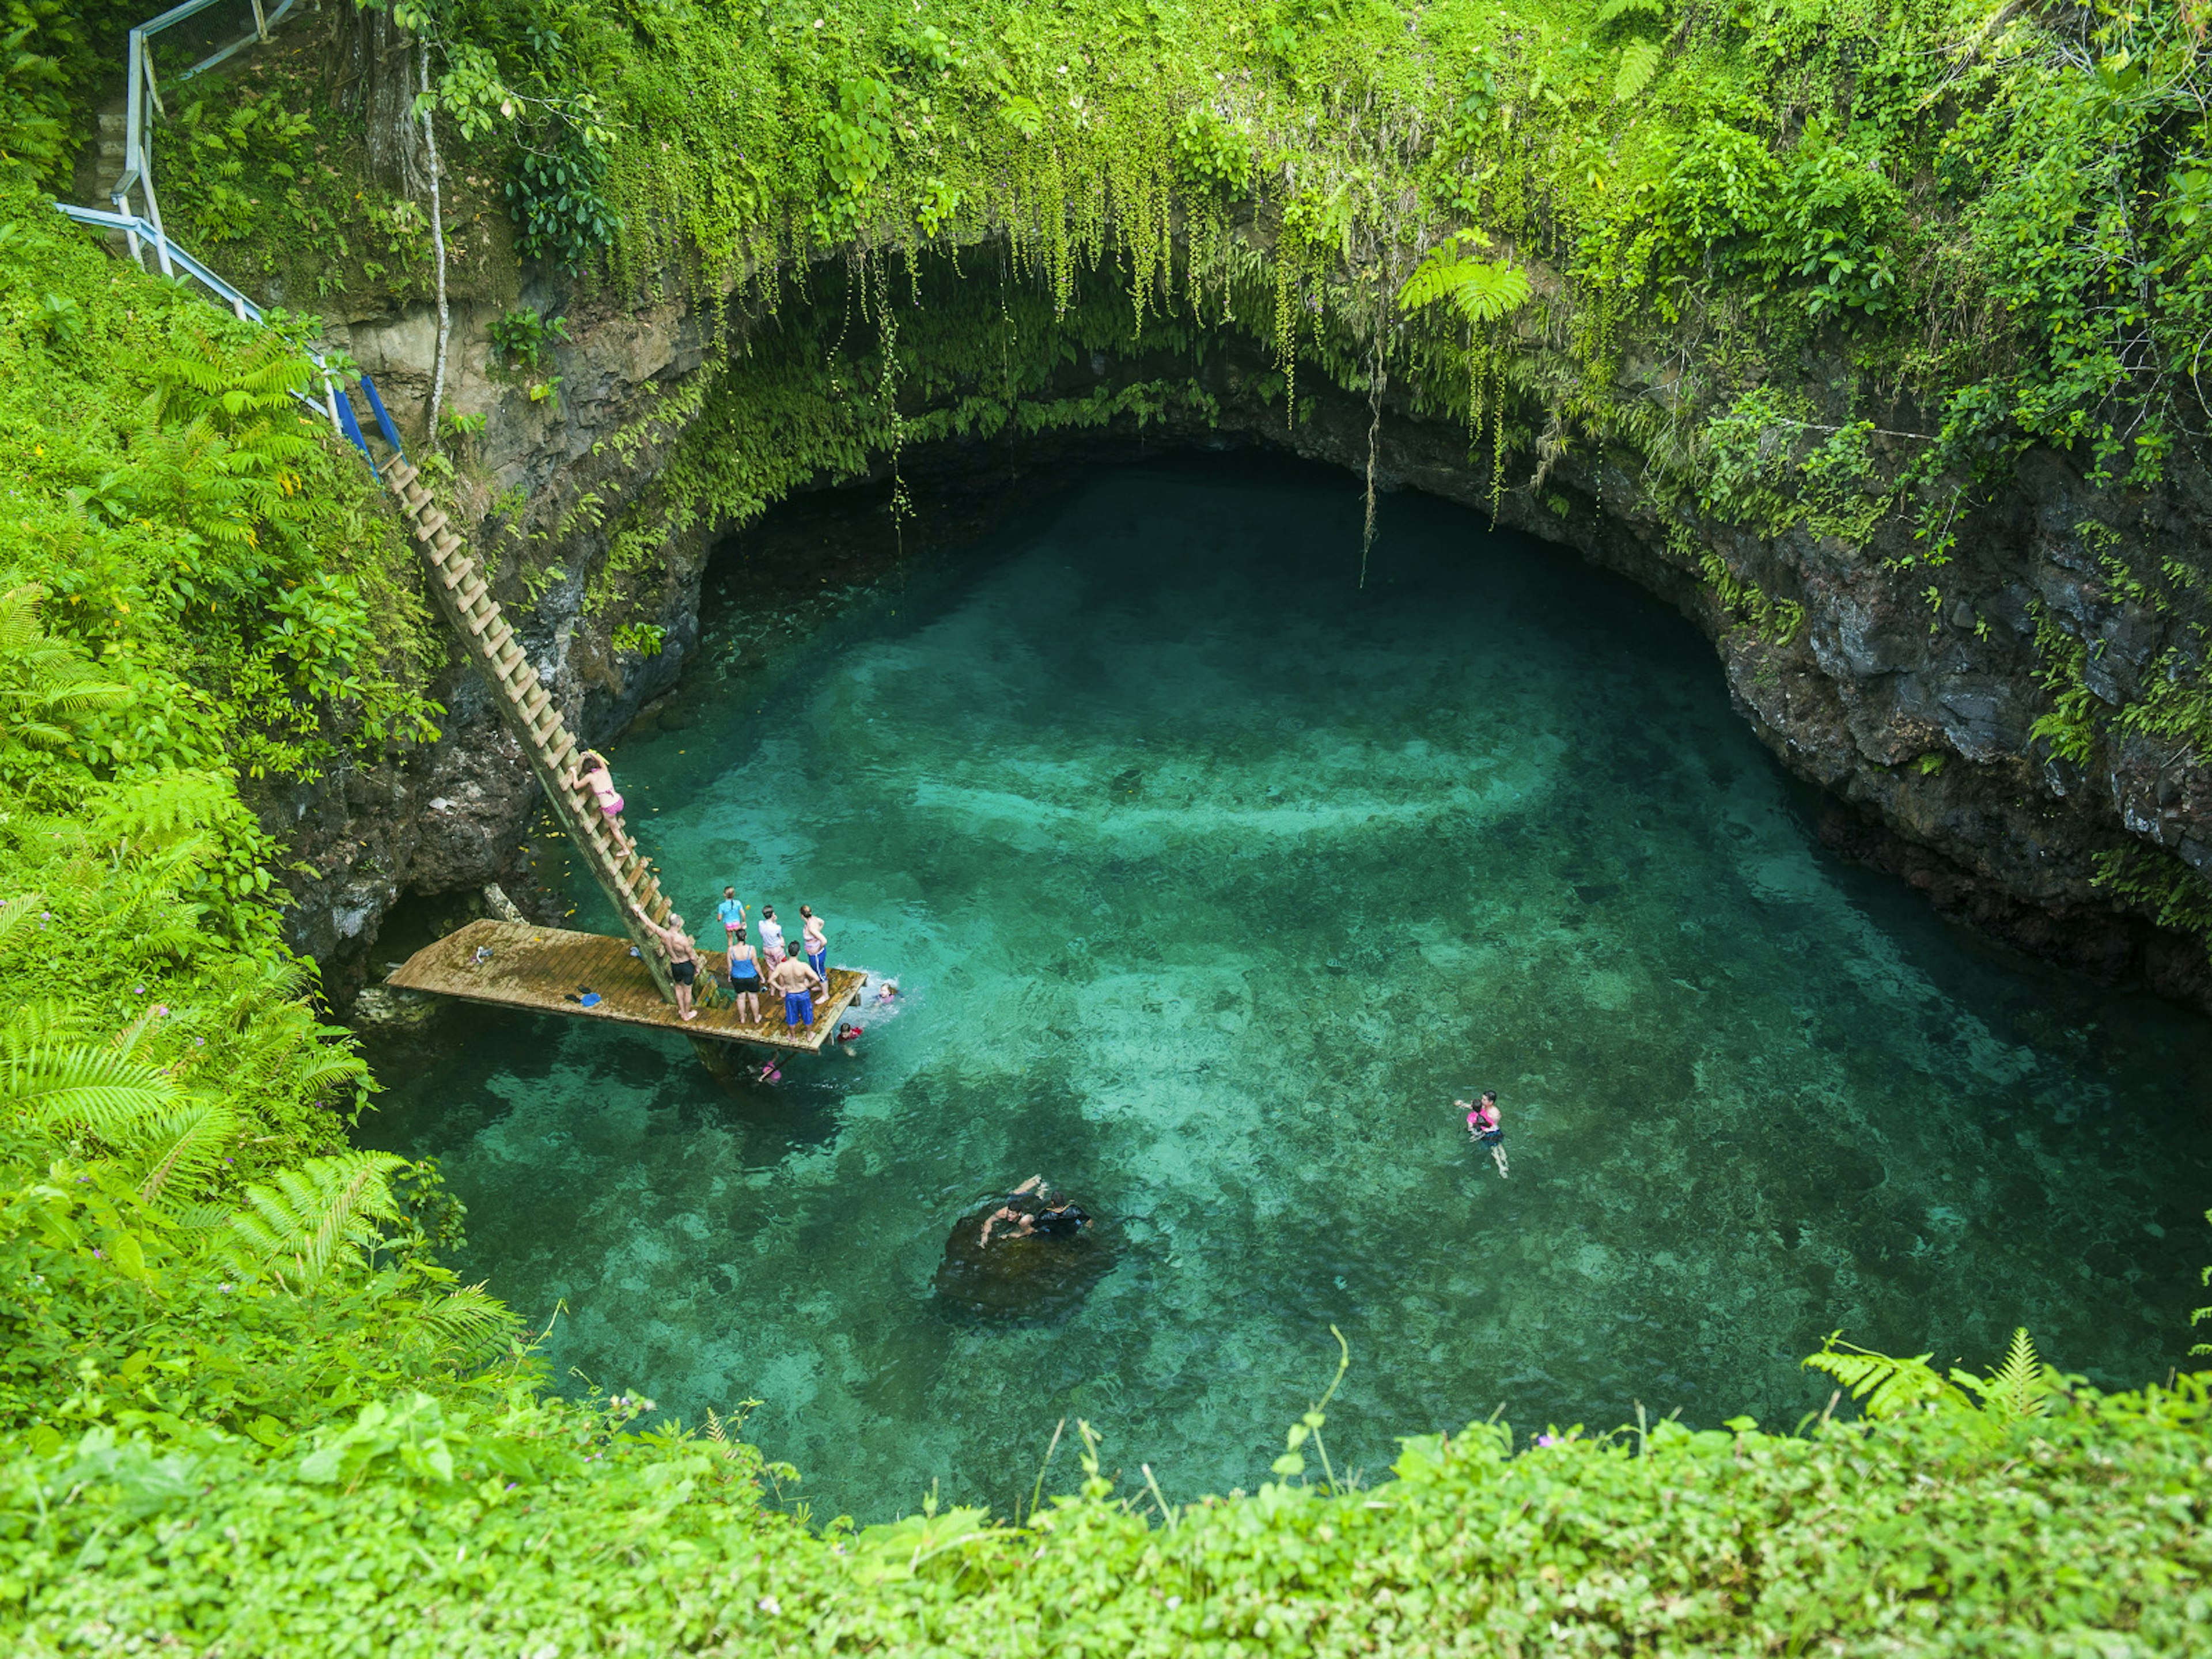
(732, 913)
(771, 932)
(683, 957)
(744, 979)
(817, 940)
(797, 982)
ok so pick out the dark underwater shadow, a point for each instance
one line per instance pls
(1017, 1281)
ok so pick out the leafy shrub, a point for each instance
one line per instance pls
(525, 336)
(558, 202)
(1214, 154)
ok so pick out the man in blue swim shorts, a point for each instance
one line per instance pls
(795, 977)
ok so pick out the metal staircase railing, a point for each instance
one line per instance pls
(139, 90)
(526, 709)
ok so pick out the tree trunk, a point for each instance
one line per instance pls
(376, 81)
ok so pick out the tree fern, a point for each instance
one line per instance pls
(311, 1219)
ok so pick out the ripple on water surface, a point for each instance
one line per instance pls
(1212, 879)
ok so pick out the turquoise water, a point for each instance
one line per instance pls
(1211, 879)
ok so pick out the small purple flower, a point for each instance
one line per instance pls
(224, 1288)
(100, 1254)
(137, 990)
(1547, 1440)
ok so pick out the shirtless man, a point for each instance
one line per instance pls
(798, 982)
(683, 957)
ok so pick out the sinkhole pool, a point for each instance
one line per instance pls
(1211, 877)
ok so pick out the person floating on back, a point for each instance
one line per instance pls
(744, 978)
(798, 982)
(683, 957)
(1483, 1123)
(816, 939)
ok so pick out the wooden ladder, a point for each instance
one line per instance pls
(526, 709)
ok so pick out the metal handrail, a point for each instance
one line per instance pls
(338, 408)
(137, 172)
(139, 87)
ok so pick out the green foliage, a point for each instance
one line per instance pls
(437, 1520)
(2021, 1386)
(1213, 153)
(1481, 291)
(558, 200)
(525, 336)
(316, 1217)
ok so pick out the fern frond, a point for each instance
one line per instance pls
(1613, 10)
(1883, 1387)
(46, 684)
(189, 1145)
(169, 808)
(14, 912)
(320, 1213)
(2019, 1386)
(1639, 64)
(80, 1087)
(468, 1325)
(1483, 291)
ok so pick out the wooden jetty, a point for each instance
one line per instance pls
(544, 969)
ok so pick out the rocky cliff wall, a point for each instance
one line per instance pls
(1915, 720)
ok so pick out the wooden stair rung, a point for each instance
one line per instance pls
(399, 475)
(525, 682)
(467, 600)
(429, 523)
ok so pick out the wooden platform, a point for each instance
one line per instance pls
(542, 968)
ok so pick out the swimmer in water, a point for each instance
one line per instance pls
(1483, 1124)
(847, 1033)
(1030, 1212)
(888, 991)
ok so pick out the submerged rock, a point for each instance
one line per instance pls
(1018, 1278)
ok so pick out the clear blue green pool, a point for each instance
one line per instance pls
(1212, 879)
